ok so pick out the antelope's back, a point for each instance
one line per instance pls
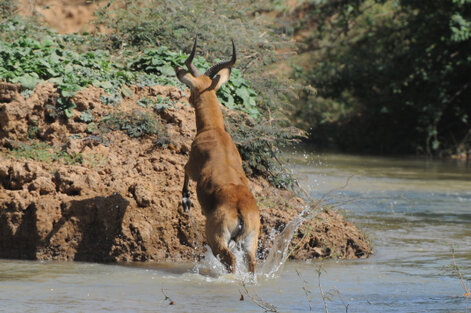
(218, 156)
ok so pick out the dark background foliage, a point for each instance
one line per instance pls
(392, 76)
(370, 76)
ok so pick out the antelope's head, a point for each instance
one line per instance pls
(216, 76)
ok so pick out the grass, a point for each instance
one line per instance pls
(41, 151)
(135, 124)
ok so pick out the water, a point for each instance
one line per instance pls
(414, 211)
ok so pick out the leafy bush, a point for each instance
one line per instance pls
(235, 94)
(174, 24)
(391, 76)
(7, 8)
(40, 151)
(135, 124)
(259, 143)
(28, 62)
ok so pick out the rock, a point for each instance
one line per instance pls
(43, 185)
(9, 92)
(142, 195)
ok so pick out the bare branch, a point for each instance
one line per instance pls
(167, 298)
(467, 293)
(267, 307)
(306, 291)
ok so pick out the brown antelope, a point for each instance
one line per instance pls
(215, 164)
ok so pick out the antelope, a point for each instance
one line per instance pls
(215, 165)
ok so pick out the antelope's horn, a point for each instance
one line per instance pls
(225, 64)
(193, 70)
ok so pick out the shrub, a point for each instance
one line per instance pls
(391, 75)
(259, 143)
(135, 124)
(174, 24)
(7, 8)
(235, 94)
(40, 151)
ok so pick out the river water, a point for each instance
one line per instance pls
(414, 211)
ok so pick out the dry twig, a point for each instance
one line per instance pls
(467, 293)
(167, 298)
(267, 307)
(306, 291)
(324, 297)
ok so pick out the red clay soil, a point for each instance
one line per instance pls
(65, 16)
(121, 201)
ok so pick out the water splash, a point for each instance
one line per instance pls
(198, 249)
(279, 251)
(276, 255)
(206, 264)
(211, 266)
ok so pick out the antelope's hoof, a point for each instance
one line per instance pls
(186, 202)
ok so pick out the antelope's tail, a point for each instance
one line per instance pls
(240, 228)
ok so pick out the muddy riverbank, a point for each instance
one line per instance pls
(69, 192)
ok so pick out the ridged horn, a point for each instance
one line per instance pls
(225, 64)
(193, 70)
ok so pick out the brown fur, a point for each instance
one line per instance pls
(216, 166)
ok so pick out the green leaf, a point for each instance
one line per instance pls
(243, 93)
(106, 85)
(166, 70)
(91, 127)
(69, 112)
(86, 116)
(68, 93)
(27, 81)
(126, 91)
(57, 80)
(230, 102)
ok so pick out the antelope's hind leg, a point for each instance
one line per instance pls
(218, 238)
(226, 257)
(249, 245)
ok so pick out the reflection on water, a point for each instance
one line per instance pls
(413, 210)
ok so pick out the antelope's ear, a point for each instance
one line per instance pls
(185, 77)
(221, 78)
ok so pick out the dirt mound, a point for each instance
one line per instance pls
(69, 191)
(65, 16)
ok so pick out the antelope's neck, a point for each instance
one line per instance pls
(208, 112)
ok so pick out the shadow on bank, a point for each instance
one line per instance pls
(80, 230)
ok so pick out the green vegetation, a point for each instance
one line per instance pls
(142, 48)
(236, 94)
(29, 62)
(41, 151)
(258, 144)
(174, 25)
(158, 103)
(392, 76)
(135, 124)
(7, 7)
